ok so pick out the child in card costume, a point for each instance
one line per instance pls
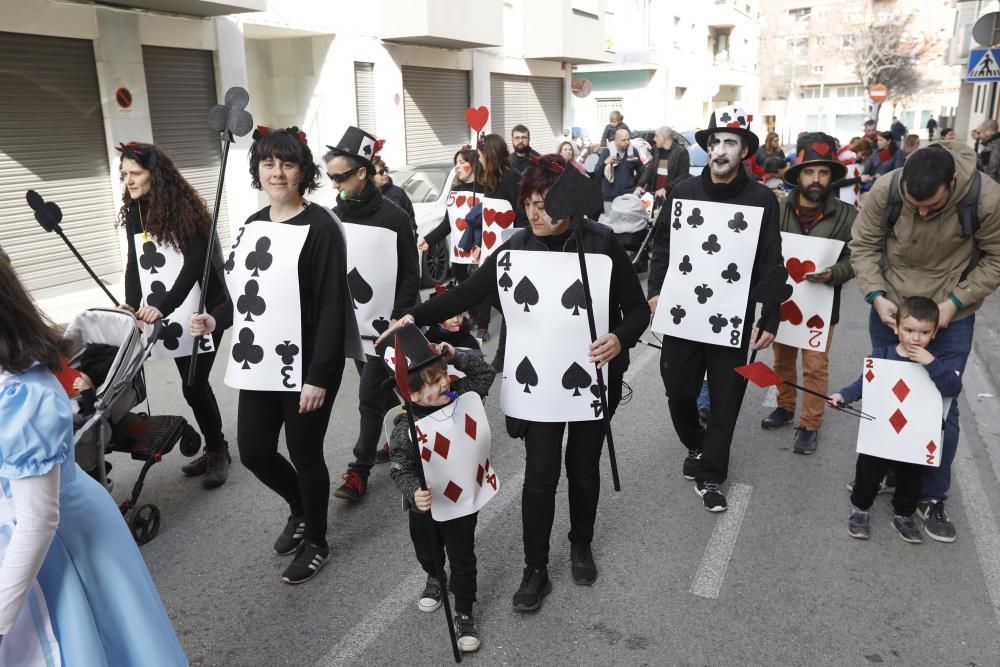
(916, 324)
(535, 276)
(705, 311)
(813, 210)
(384, 278)
(167, 226)
(449, 419)
(74, 589)
(295, 326)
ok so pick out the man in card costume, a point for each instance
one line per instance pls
(294, 328)
(437, 404)
(627, 317)
(925, 230)
(360, 202)
(813, 210)
(683, 363)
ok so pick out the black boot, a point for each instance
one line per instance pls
(534, 586)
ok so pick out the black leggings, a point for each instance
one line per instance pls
(304, 483)
(200, 396)
(458, 537)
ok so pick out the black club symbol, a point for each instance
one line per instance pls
(230, 263)
(738, 224)
(703, 292)
(677, 223)
(711, 246)
(151, 260)
(170, 334)
(695, 219)
(157, 291)
(685, 265)
(287, 351)
(245, 352)
(731, 274)
(260, 259)
(718, 322)
(725, 117)
(736, 321)
(677, 313)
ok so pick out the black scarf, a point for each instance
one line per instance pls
(367, 203)
(723, 191)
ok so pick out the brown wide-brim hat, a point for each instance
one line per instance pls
(816, 149)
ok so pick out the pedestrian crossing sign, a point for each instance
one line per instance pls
(983, 66)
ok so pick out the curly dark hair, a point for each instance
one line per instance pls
(176, 213)
(283, 144)
(26, 335)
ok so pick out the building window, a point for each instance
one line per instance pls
(800, 12)
(820, 41)
(817, 69)
(847, 41)
(679, 93)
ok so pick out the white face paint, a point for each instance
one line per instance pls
(724, 155)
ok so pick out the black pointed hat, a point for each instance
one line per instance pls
(816, 149)
(572, 194)
(729, 119)
(358, 144)
(419, 352)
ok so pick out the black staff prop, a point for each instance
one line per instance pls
(49, 215)
(403, 384)
(774, 288)
(230, 120)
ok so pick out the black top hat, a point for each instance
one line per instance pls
(729, 119)
(816, 149)
(358, 144)
(419, 352)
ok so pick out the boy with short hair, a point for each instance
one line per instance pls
(431, 389)
(916, 326)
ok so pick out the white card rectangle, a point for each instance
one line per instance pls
(371, 276)
(805, 317)
(850, 194)
(459, 205)
(498, 215)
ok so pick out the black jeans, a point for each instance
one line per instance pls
(542, 466)
(375, 398)
(458, 538)
(482, 312)
(201, 398)
(682, 365)
(304, 482)
(868, 475)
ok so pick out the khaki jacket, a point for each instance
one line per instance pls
(926, 256)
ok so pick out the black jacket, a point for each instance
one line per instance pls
(678, 167)
(740, 191)
(398, 196)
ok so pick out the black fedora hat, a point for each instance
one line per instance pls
(813, 150)
(729, 119)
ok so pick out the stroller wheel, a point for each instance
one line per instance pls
(144, 522)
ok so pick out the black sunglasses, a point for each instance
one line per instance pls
(340, 178)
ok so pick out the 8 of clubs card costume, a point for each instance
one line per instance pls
(549, 383)
(713, 244)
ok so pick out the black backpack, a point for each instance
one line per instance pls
(968, 215)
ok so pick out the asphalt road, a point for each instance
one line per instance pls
(774, 581)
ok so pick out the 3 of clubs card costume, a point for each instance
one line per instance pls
(713, 244)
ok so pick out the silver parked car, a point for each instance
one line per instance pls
(428, 186)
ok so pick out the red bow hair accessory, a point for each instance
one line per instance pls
(260, 132)
(132, 146)
(301, 136)
(377, 148)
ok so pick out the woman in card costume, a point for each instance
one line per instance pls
(167, 225)
(628, 318)
(294, 326)
(74, 589)
(464, 161)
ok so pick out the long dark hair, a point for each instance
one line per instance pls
(175, 213)
(26, 335)
(495, 160)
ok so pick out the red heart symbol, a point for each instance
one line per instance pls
(815, 322)
(822, 149)
(797, 270)
(476, 118)
(505, 219)
(474, 201)
(489, 238)
(790, 313)
(460, 200)
(461, 224)
(488, 215)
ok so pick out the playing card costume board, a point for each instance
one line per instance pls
(805, 317)
(850, 194)
(707, 285)
(547, 374)
(454, 445)
(159, 265)
(498, 215)
(459, 205)
(371, 277)
(262, 274)
(908, 409)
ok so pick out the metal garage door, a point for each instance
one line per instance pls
(181, 88)
(434, 103)
(535, 101)
(364, 95)
(52, 140)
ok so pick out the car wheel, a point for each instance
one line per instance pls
(435, 265)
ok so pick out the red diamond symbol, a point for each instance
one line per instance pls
(901, 390)
(470, 426)
(425, 454)
(480, 471)
(897, 420)
(441, 445)
(931, 446)
(452, 492)
(869, 375)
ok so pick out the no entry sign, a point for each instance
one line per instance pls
(878, 93)
(123, 98)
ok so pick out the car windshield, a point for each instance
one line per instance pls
(423, 184)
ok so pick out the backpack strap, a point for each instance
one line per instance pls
(891, 213)
(968, 217)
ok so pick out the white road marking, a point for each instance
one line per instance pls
(708, 580)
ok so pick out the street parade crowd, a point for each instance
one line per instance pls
(753, 253)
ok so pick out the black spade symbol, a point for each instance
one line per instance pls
(574, 298)
(505, 282)
(361, 291)
(525, 294)
(576, 378)
(525, 374)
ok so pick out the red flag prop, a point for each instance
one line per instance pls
(402, 371)
(760, 374)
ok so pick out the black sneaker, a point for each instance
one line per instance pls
(692, 464)
(582, 565)
(291, 536)
(354, 486)
(805, 441)
(534, 586)
(199, 466)
(780, 417)
(309, 559)
(714, 500)
(937, 525)
(218, 469)
(468, 635)
(382, 454)
(859, 524)
(907, 529)
(430, 599)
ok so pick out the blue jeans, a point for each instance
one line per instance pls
(703, 400)
(954, 341)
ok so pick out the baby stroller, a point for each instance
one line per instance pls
(632, 227)
(110, 425)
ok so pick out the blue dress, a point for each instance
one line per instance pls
(101, 604)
